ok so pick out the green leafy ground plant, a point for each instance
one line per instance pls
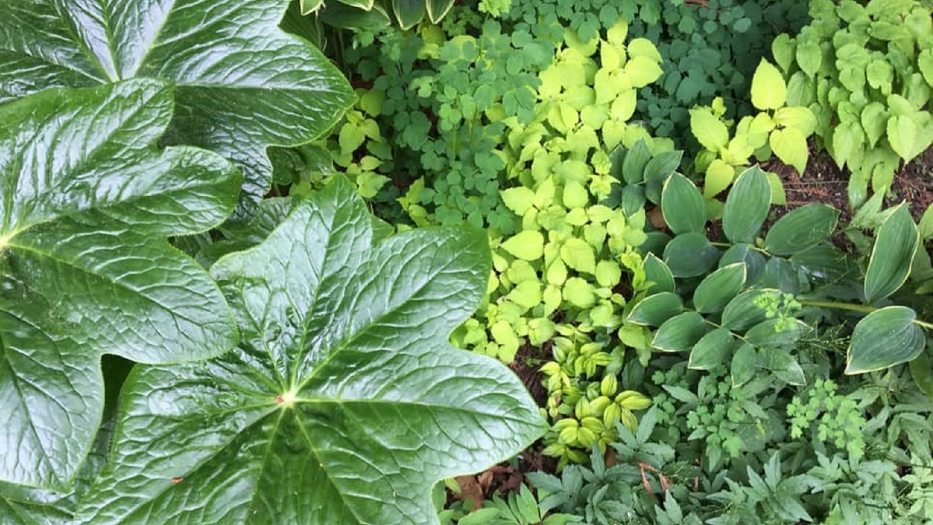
(866, 71)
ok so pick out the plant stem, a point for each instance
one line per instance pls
(855, 307)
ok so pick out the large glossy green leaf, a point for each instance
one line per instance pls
(747, 206)
(242, 84)
(889, 264)
(884, 338)
(343, 404)
(86, 202)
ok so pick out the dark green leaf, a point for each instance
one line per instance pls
(782, 364)
(766, 334)
(241, 83)
(438, 9)
(800, 229)
(744, 363)
(741, 313)
(712, 350)
(718, 288)
(408, 12)
(690, 255)
(754, 261)
(87, 202)
(658, 273)
(683, 206)
(680, 333)
(655, 309)
(344, 388)
(662, 165)
(633, 167)
(884, 338)
(747, 206)
(889, 265)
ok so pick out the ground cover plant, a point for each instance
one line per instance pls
(481, 263)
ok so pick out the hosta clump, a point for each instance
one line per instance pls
(744, 305)
(241, 84)
(85, 269)
(866, 71)
(376, 14)
(778, 128)
(342, 403)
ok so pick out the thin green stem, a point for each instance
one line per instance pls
(855, 307)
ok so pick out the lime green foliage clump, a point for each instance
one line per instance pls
(866, 71)
(777, 128)
(836, 418)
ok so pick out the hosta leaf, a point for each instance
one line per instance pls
(719, 287)
(344, 402)
(712, 350)
(801, 229)
(85, 270)
(655, 309)
(680, 332)
(408, 12)
(690, 255)
(892, 254)
(747, 206)
(682, 205)
(884, 338)
(242, 84)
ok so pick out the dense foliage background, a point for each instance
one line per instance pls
(699, 232)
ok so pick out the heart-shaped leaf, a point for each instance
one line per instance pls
(242, 84)
(344, 402)
(85, 270)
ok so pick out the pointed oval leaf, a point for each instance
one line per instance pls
(768, 88)
(767, 334)
(87, 203)
(680, 333)
(884, 338)
(712, 350)
(658, 273)
(802, 228)
(719, 287)
(747, 206)
(242, 83)
(408, 12)
(636, 159)
(744, 364)
(891, 257)
(655, 309)
(754, 261)
(344, 402)
(690, 255)
(682, 205)
(742, 313)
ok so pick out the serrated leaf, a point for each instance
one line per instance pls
(719, 287)
(87, 202)
(790, 145)
(343, 390)
(768, 88)
(708, 129)
(682, 205)
(802, 228)
(884, 338)
(241, 83)
(889, 264)
(527, 245)
(747, 206)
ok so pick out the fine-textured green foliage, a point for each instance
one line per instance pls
(241, 84)
(342, 369)
(866, 71)
(88, 202)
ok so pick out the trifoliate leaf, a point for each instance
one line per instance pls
(241, 83)
(87, 202)
(344, 402)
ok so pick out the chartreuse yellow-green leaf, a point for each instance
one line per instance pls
(768, 88)
(527, 245)
(344, 402)
(87, 201)
(241, 83)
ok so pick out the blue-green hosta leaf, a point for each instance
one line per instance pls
(343, 404)
(86, 202)
(242, 84)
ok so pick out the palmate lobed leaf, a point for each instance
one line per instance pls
(86, 203)
(242, 84)
(343, 404)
